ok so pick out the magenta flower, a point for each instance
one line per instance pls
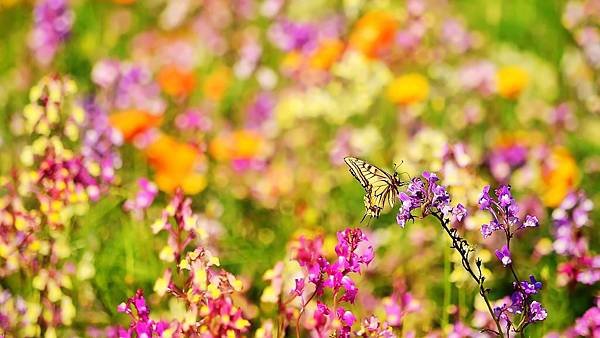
(143, 199)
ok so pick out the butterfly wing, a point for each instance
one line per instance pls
(379, 185)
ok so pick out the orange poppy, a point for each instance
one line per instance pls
(373, 33)
(132, 122)
(176, 81)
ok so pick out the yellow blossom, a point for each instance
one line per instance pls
(408, 89)
(511, 80)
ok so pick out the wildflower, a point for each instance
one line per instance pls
(141, 324)
(100, 143)
(568, 218)
(216, 84)
(459, 212)
(53, 21)
(193, 120)
(372, 327)
(530, 221)
(537, 311)
(131, 123)
(532, 286)
(559, 174)
(175, 81)
(408, 89)
(479, 76)
(144, 197)
(373, 33)
(177, 165)
(425, 194)
(260, 111)
(511, 81)
(504, 256)
(326, 54)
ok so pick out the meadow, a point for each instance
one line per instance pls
(300, 168)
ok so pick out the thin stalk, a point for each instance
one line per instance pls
(463, 248)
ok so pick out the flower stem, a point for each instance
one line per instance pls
(464, 249)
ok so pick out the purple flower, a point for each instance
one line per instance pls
(530, 222)
(537, 311)
(424, 193)
(504, 196)
(261, 111)
(144, 197)
(504, 255)
(459, 212)
(52, 25)
(532, 286)
(485, 200)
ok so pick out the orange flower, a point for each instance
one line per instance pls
(124, 2)
(326, 54)
(373, 33)
(133, 122)
(560, 175)
(217, 83)
(175, 164)
(511, 81)
(175, 81)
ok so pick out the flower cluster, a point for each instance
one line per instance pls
(128, 86)
(141, 324)
(143, 199)
(353, 252)
(570, 219)
(504, 211)
(53, 20)
(206, 290)
(427, 195)
(100, 143)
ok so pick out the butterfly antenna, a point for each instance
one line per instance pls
(363, 218)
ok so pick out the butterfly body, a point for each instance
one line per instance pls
(380, 186)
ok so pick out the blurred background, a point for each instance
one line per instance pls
(250, 107)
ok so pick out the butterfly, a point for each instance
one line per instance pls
(380, 187)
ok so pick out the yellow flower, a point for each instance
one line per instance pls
(217, 83)
(511, 80)
(328, 52)
(408, 89)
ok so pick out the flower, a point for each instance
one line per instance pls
(144, 197)
(530, 221)
(510, 81)
(560, 174)
(537, 311)
(408, 89)
(426, 194)
(216, 83)
(373, 33)
(131, 123)
(176, 164)
(459, 212)
(175, 81)
(327, 53)
(53, 21)
(504, 255)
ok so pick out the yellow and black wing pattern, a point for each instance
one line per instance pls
(380, 187)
